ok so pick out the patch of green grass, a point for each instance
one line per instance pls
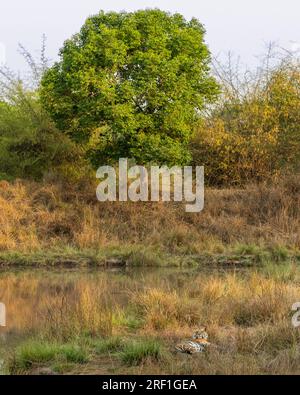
(260, 254)
(265, 255)
(145, 257)
(37, 353)
(41, 258)
(74, 353)
(139, 255)
(69, 256)
(280, 254)
(111, 344)
(32, 352)
(136, 352)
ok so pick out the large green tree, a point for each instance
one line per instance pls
(132, 85)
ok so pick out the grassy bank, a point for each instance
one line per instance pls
(102, 323)
(61, 224)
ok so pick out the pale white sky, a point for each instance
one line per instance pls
(232, 25)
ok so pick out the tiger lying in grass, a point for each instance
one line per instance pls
(199, 343)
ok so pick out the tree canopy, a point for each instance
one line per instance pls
(131, 85)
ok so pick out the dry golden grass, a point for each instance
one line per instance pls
(248, 317)
(221, 301)
(61, 310)
(37, 217)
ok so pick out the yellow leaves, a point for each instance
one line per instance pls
(254, 137)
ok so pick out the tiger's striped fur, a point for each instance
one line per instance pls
(198, 344)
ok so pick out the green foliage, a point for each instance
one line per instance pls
(131, 85)
(30, 145)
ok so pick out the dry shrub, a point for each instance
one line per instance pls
(252, 134)
(162, 309)
(263, 300)
(220, 300)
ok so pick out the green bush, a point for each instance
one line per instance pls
(30, 144)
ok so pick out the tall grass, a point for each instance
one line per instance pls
(248, 319)
(264, 220)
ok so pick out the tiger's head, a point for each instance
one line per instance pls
(200, 333)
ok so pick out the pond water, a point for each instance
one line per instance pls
(31, 296)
